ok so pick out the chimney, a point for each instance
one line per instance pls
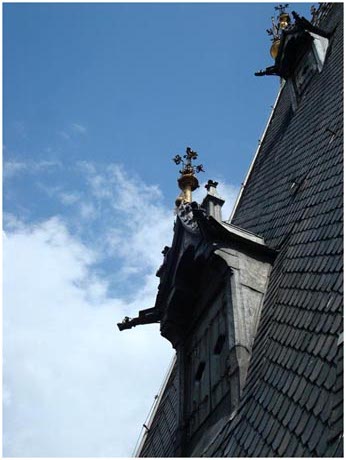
(212, 203)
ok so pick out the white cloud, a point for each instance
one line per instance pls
(86, 167)
(42, 165)
(229, 193)
(13, 167)
(71, 384)
(12, 222)
(71, 379)
(78, 128)
(139, 226)
(64, 135)
(87, 211)
(69, 198)
(71, 130)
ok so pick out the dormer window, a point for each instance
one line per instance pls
(309, 64)
(304, 72)
(319, 48)
(299, 50)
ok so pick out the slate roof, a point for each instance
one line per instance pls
(291, 404)
(161, 437)
(292, 400)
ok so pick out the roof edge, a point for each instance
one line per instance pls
(235, 206)
(153, 410)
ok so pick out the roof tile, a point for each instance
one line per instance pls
(309, 389)
(284, 442)
(288, 383)
(300, 390)
(316, 434)
(311, 423)
(292, 445)
(302, 423)
(326, 412)
(279, 435)
(267, 428)
(300, 451)
(316, 369)
(322, 443)
(294, 385)
(270, 437)
(295, 418)
(259, 447)
(289, 414)
(254, 414)
(249, 437)
(265, 451)
(328, 380)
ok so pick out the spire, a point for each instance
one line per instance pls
(187, 182)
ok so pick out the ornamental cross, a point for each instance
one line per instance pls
(281, 8)
(188, 167)
(187, 182)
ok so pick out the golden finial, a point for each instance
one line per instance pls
(187, 182)
(283, 21)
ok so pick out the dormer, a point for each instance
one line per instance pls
(299, 49)
(212, 285)
(210, 297)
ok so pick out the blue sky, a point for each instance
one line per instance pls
(98, 98)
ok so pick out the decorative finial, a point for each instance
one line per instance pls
(187, 182)
(211, 185)
(281, 8)
(283, 21)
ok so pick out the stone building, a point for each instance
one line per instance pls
(253, 306)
